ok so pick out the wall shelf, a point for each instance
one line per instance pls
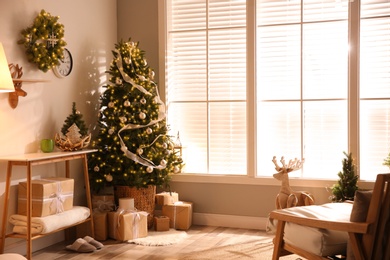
(16, 73)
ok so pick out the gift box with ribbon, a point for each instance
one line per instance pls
(166, 198)
(103, 203)
(49, 196)
(127, 224)
(179, 214)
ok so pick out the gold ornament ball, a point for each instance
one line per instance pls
(142, 115)
(109, 178)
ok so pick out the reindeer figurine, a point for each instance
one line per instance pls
(287, 197)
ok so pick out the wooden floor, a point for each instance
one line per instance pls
(199, 238)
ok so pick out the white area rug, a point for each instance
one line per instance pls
(161, 238)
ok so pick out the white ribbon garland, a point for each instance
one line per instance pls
(161, 116)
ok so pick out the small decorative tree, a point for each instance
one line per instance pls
(74, 132)
(386, 161)
(347, 183)
(75, 118)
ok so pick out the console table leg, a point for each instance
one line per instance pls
(29, 211)
(88, 192)
(5, 209)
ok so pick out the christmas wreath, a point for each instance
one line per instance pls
(44, 41)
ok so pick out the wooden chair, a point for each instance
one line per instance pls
(368, 239)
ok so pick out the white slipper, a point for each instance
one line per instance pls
(93, 242)
(81, 246)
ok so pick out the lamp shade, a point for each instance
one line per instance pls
(6, 83)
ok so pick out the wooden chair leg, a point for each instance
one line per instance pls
(278, 240)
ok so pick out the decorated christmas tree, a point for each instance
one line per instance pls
(134, 148)
(347, 183)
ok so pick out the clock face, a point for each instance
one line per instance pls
(66, 65)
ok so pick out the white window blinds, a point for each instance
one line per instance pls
(374, 87)
(206, 86)
(302, 55)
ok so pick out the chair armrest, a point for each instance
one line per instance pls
(347, 226)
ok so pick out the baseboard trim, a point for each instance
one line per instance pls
(19, 245)
(232, 221)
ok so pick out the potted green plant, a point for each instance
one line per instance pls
(346, 186)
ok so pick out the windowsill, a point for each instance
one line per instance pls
(263, 181)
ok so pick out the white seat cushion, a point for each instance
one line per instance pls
(317, 241)
(12, 256)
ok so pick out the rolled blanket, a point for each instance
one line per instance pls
(43, 225)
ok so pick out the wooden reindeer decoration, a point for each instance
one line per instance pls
(16, 74)
(287, 197)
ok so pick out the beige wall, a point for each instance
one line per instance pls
(138, 20)
(90, 32)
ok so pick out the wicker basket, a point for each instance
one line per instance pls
(144, 199)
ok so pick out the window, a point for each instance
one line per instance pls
(302, 84)
(321, 84)
(374, 86)
(206, 83)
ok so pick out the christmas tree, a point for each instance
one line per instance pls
(134, 148)
(347, 183)
(75, 118)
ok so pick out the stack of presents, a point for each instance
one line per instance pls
(127, 223)
(51, 196)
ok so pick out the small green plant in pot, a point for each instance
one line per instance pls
(386, 161)
(346, 186)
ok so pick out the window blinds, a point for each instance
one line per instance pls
(206, 87)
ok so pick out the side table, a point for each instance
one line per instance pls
(30, 160)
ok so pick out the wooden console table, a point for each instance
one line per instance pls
(29, 160)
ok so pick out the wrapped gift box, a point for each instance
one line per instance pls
(100, 221)
(49, 196)
(103, 202)
(100, 224)
(166, 198)
(127, 225)
(161, 223)
(180, 214)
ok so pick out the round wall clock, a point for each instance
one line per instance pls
(66, 65)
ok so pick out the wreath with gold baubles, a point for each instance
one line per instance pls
(44, 41)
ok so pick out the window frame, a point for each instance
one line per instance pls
(250, 178)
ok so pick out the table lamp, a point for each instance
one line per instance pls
(6, 83)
